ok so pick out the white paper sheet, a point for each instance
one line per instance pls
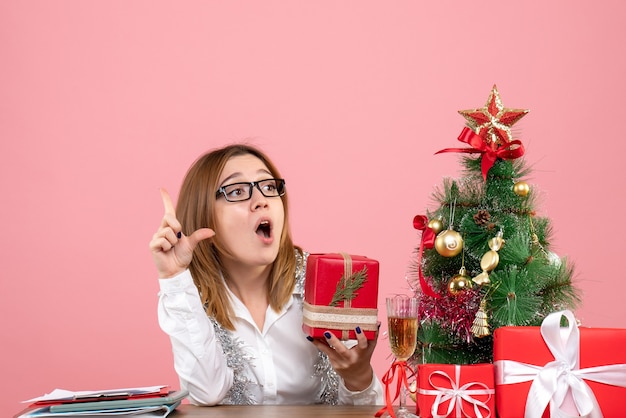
(62, 394)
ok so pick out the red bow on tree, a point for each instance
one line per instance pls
(420, 222)
(490, 152)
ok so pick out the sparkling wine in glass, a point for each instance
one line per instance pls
(402, 330)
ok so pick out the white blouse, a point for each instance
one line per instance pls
(275, 366)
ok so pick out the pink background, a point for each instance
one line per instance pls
(103, 102)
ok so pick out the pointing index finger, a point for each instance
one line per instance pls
(167, 202)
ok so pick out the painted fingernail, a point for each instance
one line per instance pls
(179, 235)
(308, 337)
(327, 334)
(358, 330)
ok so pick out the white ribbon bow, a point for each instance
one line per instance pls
(456, 395)
(552, 382)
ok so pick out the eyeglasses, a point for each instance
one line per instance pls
(238, 192)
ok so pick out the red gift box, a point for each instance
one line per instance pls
(545, 363)
(455, 391)
(340, 293)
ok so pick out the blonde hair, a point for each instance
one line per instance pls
(195, 209)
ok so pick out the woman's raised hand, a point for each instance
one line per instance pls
(171, 249)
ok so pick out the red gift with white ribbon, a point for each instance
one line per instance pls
(560, 371)
(455, 391)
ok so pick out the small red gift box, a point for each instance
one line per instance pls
(340, 293)
(455, 391)
(581, 371)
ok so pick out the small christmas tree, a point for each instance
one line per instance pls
(484, 259)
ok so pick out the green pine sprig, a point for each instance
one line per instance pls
(347, 286)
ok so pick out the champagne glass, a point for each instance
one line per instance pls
(402, 329)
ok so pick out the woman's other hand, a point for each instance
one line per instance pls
(352, 364)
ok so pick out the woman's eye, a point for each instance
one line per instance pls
(236, 192)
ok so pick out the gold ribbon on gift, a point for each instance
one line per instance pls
(342, 318)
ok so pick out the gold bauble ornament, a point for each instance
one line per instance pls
(459, 283)
(449, 243)
(521, 188)
(436, 225)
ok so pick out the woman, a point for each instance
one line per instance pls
(231, 283)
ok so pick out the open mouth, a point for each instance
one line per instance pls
(264, 229)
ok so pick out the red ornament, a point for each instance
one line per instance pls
(493, 121)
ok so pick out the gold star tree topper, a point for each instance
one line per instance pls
(493, 121)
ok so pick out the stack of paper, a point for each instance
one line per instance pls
(153, 401)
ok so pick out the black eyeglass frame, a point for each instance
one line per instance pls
(280, 188)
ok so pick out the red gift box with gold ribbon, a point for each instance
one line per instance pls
(455, 391)
(560, 371)
(340, 293)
